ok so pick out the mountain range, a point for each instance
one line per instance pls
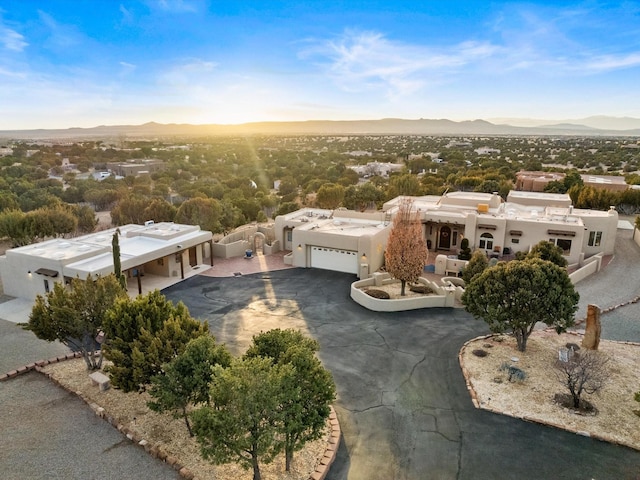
(591, 126)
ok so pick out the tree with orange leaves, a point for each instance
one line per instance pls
(406, 251)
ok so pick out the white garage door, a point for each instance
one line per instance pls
(333, 259)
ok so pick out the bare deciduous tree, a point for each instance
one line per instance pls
(583, 373)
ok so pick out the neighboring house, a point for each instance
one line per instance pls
(136, 167)
(537, 181)
(161, 249)
(352, 242)
(376, 168)
(606, 182)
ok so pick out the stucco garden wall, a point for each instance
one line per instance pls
(444, 297)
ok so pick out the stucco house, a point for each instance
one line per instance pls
(161, 249)
(354, 242)
(339, 240)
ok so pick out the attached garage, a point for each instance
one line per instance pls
(333, 259)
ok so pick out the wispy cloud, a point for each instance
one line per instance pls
(60, 36)
(365, 60)
(127, 16)
(12, 40)
(190, 71)
(613, 62)
(573, 40)
(177, 6)
(127, 68)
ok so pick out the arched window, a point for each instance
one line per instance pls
(486, 241)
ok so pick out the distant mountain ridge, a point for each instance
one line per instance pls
(389, 126)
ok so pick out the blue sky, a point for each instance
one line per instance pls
(101, 62)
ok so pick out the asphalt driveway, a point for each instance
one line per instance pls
(402, 402)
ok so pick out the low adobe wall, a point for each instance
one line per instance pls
(228, 250)
(444, 297)
(588, 267)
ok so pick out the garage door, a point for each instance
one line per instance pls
(333, 259)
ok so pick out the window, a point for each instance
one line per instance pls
(515, 240)
(594, 239)
(289, 235)
(486, 241)
(46, 286)
(454, 238)
(563, 243)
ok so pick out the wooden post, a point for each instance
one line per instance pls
(139, 281)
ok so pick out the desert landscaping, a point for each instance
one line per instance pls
(533, 398)
(170, 435)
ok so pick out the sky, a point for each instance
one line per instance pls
(83, 63)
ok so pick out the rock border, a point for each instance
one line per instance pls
(156, 451)
(476, 403)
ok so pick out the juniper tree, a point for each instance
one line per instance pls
(516, 295)
(75, 316)
(310, 388)
(185, 380)
(143, 334)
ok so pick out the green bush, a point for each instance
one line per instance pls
(514, 374)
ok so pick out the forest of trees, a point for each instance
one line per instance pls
(224, 182)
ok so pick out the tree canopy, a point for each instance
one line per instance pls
(241, 425)
(477, 264)
(514, 296)
(185, 380)
(406, 252)
(143, 334)
(545, 250)
(75, 316)
(310, 388)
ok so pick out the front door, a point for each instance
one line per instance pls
(445, 238)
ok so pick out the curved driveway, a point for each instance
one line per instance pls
(402, 401)
(618, 283)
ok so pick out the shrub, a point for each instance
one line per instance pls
(465, 251)
(514, 374)
(583, 373)
(381, 294)
(420, 289)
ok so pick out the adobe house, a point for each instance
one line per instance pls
(354, 242)
(160, 249)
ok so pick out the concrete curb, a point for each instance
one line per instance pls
(320, 473)
(476, 403)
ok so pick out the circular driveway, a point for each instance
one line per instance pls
(402, 401)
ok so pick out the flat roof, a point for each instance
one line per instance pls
(134, 240)
(538, 195)
(351, 227)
